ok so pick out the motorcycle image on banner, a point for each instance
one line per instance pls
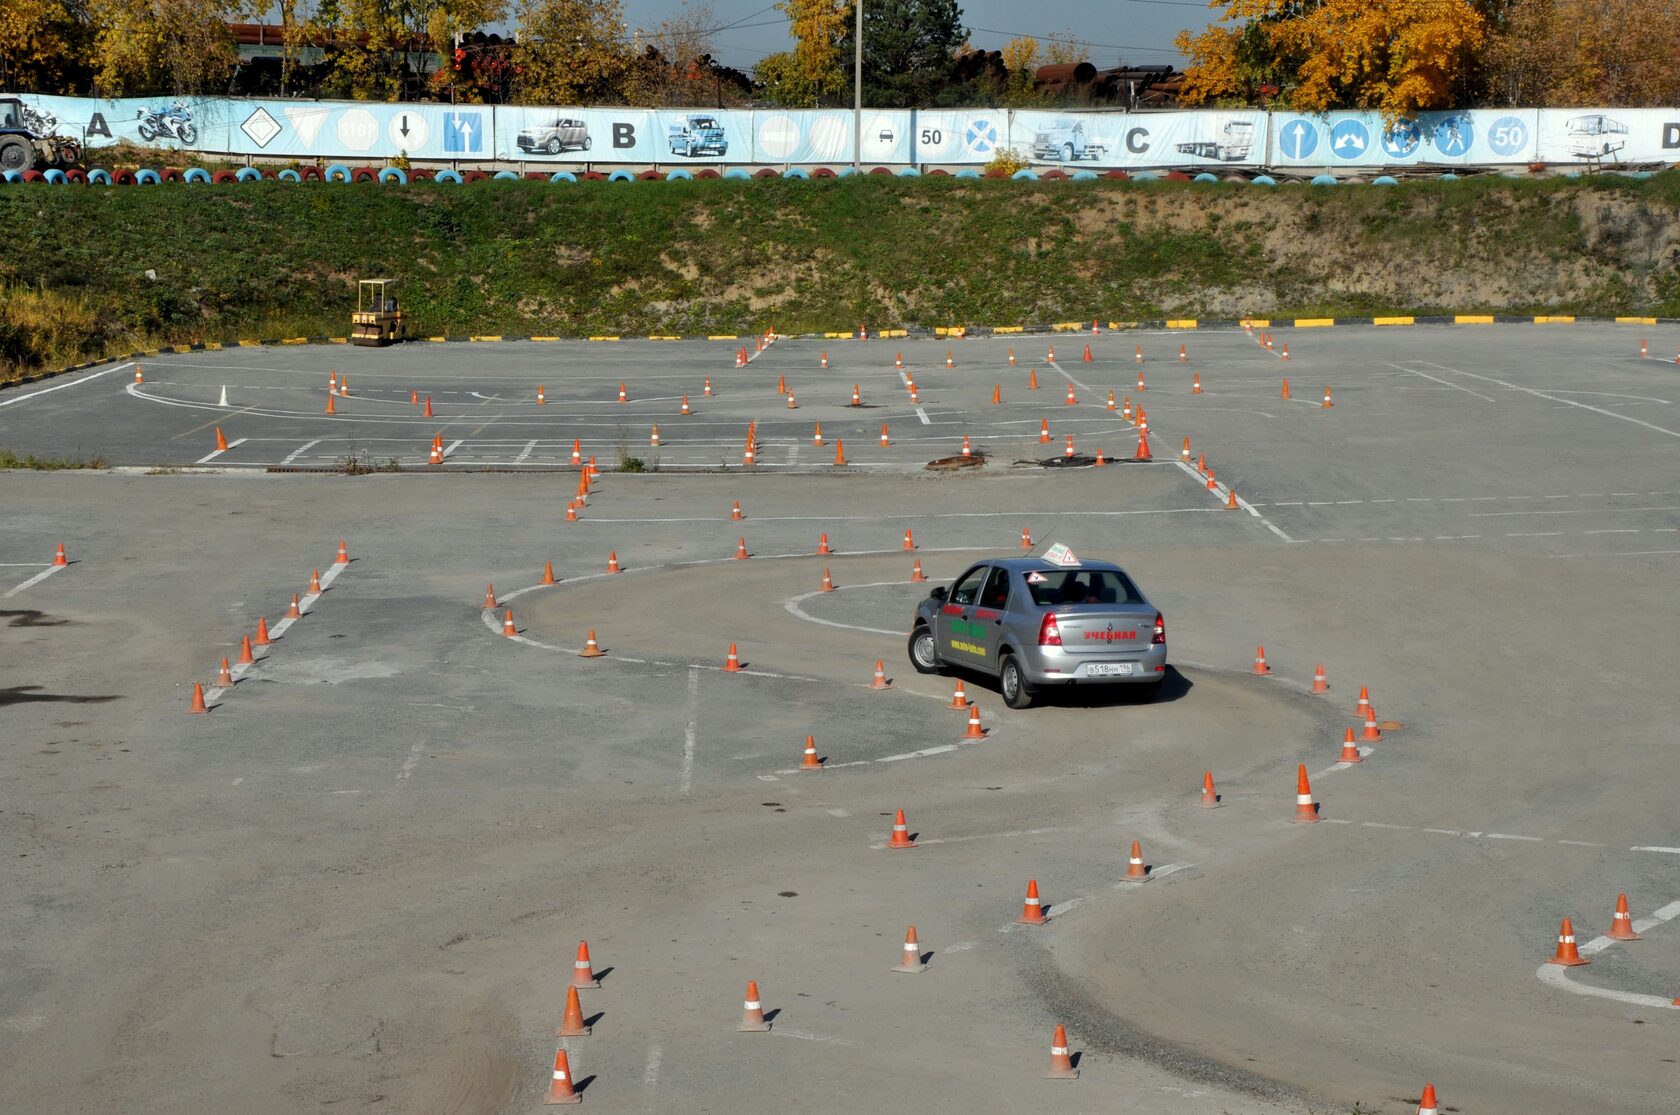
(174, 122)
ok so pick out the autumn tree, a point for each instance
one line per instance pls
(43, 45)
(486, 69)
(1573, 53)
(163, 46)
(571, 52)
(675, 66)
(1063, 49)
(1021, 60)
(1398, 56)
(813, 73)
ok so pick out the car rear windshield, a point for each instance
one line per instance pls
(1052, 587)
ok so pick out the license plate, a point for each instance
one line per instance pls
(1109, 670)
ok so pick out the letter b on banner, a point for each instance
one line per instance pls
(624, 135)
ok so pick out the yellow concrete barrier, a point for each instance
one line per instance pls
(1313, 322)
(1181, 323)
(1393, 321)
(1473, 319)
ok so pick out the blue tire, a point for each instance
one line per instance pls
(797, 172)
(248, 174)
(563, 176)
(196, 176)
(681, 174)
(967, 172)
(99, 176)
(1025, 175)
(55, 177)
(450, 176)
(11, 176)
(1204, 176)
(1324, 180)
(616, 176)
(1449, 177)
(393, 174)
(1262, 180)
(1385, 180)
(289, 175)
(909, 172)
(738, 173)
(505, 176)
(1084, 175)
(338, 172)
(146, 178)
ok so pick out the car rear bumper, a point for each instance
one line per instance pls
(1049, 666)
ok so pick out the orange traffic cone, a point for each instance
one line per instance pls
(571, 511)
(314, 582)
(1231, 500)
(572, 1024)
(262, 639)
(508, 628)
(1285, 355)
(839, 452)
(825, 358)
(542, 400)
(59, 557)
(1183, 356)
(1370, 734)
(548, 573)
(916, 574)
(1050, 354)
(791, 404)
(898, 360)
(1061, 1061)
(1135, 870)
(139, 376)
(822, 545)
(1427, 1103)
(1260, 666)
(653, 437)
(332, 407)
(1032, 911)
(224, 677)
(1087, 356)
(1306, 810)
(1621, 925)
(1364, 703)
(900, 833)
(1567, 956)
(1026, 539)
(816, 436)
(221, 441)
(1327, 404)
(1212, 486)
(583, 974)
(1044, 431)
(1069, 451)
(811, 761)
(560, 1088)
(1100, 461)
(732, 664)
(1142, 453)
(910, 960)
(591, 649)
(343, 557)
(880, 680)
(959, 700)
(1072, 400)
(1210, 799)
(1032, 379)
(428, 413)
(828, 582)
(1196, 384)
(950, 359)
(1111, 403)
(857, 397)
(435, 457)
(741, 550)
(752, 1012)
(975, 731)
(612, 562)
(197, 705)
(1126, 409)
(1138, 353)
(884, 439)
(1350, 750)
(781, 385)
(490, 597)
(997, 394)
(1141, 386)
(413, 397)
(967, 450)
(735, 511)
(1184, 453)
(1093, 327)
(1201, 463)
(909, 540)
(623, 396)
(1321, 684)
(707, 390)
(293, 612)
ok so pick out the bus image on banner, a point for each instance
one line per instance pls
(1595, 136)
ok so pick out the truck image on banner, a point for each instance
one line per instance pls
(1233, 143)
(700, 134)
(1065, 141)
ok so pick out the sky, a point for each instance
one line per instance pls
(1136, 32)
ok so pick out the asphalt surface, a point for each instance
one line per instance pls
(359, 881)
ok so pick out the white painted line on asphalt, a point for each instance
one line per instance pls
(1557, 975)
(525, 453)
(879, 846)
(1445, 383)
(793, 608)
(409, 763)
(690, 731)
(1557, 399)
(449, 449)
(1583, 844)
(305, 604)
(214, 453)
(1035, 513)
(36, 579)
(1620, 553)
(1364, 753)
(301, 450)
(1069, 378)
(650, 1075)
(1649, 848)
(805, 1035)
(1508, 836)
(1222, 492)
(61, 386)
(960, 946)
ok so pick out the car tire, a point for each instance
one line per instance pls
(553, 145)
(1067, 152)
(1012, 684)
(924, 653)
(586, 142)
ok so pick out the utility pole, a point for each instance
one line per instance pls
(857, 88)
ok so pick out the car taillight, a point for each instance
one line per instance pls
(1160, 636)
(1049, 634)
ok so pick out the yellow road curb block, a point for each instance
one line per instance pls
(545, 338)
(1314, 322)
(1393, 321)
(1565, 320)
(1473, 319)
(1181, 323)
(603, 338)
(487, 337)
(1008, 329)
(1636, 321)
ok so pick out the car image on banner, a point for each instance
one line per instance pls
(563, 133)
(698, 134)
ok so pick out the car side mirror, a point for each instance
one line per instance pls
(937, 592)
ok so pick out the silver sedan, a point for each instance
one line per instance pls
(1033, 624)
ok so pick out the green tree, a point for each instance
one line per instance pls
(163, 46)
(813, 73)
(909, 52)
(571, 52)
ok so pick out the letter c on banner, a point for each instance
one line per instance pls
(1137, 140)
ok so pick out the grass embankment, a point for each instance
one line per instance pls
(271, 260)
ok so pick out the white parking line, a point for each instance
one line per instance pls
(16, 399)
(301, 450)
(36, 579)
(305, 604)
(693, 725)
(1557, 975)
(1558, 399)
(213, 454)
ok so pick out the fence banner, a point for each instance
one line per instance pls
(365, 132)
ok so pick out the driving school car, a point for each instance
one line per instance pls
(1034, 623)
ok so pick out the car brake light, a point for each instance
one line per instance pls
(1049, 634)
(1160, 636)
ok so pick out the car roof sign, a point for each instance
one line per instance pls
(1060, 555)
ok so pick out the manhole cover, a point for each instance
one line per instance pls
(945, 464)
(1390, 725)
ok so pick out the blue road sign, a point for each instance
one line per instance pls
(1297, 138)
(1401, 138)
(1507, 135)
(463, 132)
(1348, 139)
(1454, 135)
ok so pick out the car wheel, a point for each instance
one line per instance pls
(586, 143)
(1012, 685)
(553, 145)
(924, 656)
(1067, 152)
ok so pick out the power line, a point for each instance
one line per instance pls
(1084, 42)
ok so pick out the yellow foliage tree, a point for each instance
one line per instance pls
(1576, 53)
(1398, 56)
(813, 71)
(571, 52)
(41, 42)
(1021, 60)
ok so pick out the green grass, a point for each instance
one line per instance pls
(11, 459)
(275, 260)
